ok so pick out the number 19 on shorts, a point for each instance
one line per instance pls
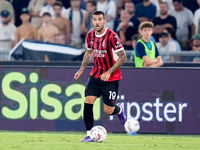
(112, 95)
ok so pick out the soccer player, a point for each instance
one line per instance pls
(105, 46)
(146, 53)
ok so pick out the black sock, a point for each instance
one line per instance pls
(88, 116)
(116, 110)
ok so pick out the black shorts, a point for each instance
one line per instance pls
(108, 90)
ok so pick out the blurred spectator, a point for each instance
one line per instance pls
(125, 30)
(75, 15)
(26, 30)
(7, 34)
(137, 1)
(66, 3)
(196, 42)
(170, 32)
(121, 6)
(83, 4)
(170, 5)
(87, 24)
(47, 31)
(198, 30)
(130, 7)
(156, 3)
(134, 39)
(195, 48)
(62, 24)
(163, 21)
(5, 5)
(197, 17)
(184, 19)
(145, 11)
(18, 5)
(34, 8)
(49, 8)
(191, 5)
(165, 46)
(109, 8)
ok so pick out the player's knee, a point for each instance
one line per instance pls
(89, 100)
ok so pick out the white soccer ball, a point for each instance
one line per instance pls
(98, 134)
(131, 126)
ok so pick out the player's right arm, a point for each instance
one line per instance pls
(86, 60)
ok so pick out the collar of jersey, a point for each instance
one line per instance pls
(101, 34)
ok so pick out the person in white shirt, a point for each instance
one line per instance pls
(34, 8)
(165, 46)
(197, 17)
(49, 8)
(7, 34)
(75, 15)
(170, 32)
(184, 19)
(109, 8)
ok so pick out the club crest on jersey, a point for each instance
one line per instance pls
(103, 43)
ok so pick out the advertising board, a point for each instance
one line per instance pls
(48, 98)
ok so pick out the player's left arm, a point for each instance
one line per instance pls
(120, 61)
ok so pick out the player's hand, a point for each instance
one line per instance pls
(105, 76)
(78, 74)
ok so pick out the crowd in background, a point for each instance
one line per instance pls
(66, 22)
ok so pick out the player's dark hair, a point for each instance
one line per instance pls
(146, 24)
(179, 1)
(93, 2)
(58, 3)
(99, 12)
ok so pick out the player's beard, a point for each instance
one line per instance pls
(100, 28)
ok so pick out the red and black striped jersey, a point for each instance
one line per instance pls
(105, 47)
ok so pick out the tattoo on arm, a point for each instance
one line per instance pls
(120, 61)
(87, 59)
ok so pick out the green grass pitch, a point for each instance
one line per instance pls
(20, 140)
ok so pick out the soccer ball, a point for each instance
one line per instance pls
(98, 134)
(131, 126)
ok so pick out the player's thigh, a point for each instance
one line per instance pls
(109, 93)
(92, 89)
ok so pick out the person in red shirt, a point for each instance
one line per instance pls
(105, 46)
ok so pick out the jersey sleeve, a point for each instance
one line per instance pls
(140, 50)
(88, 42)
(116, 43)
